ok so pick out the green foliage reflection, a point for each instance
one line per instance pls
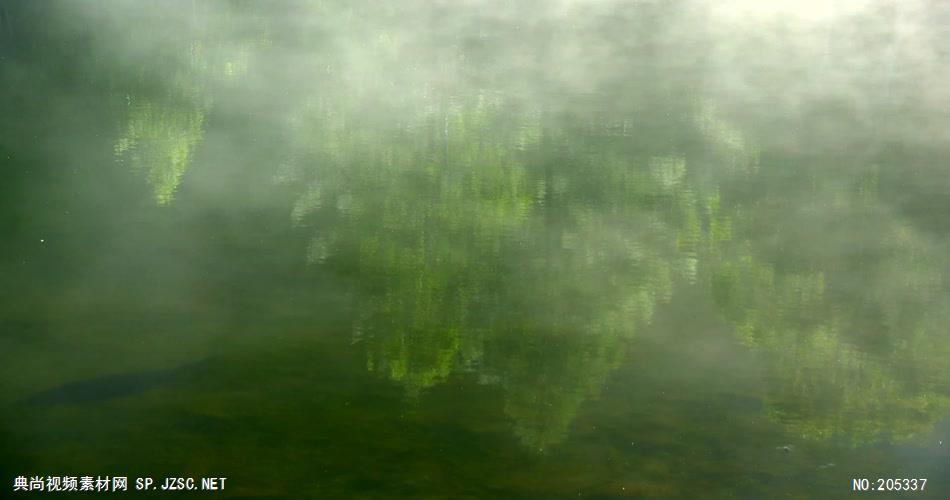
(160, 140)
(529, 238)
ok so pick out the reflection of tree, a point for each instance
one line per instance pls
(821, 383)
(830, 389)
(415, 325)
(166, 124)
(160, 140)
(548, 375)
(490, 235)
(528, 239)
(477, 254)
(565, 322)
(425, 229)
(848, 322)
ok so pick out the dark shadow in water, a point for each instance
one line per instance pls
(115, 386)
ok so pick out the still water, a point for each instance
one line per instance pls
(478, 249)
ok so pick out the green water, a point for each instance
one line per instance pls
(481, 249)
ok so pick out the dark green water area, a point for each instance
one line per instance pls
(477, 249)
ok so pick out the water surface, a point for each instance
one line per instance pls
(477, 249)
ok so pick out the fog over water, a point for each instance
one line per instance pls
(479, 248)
